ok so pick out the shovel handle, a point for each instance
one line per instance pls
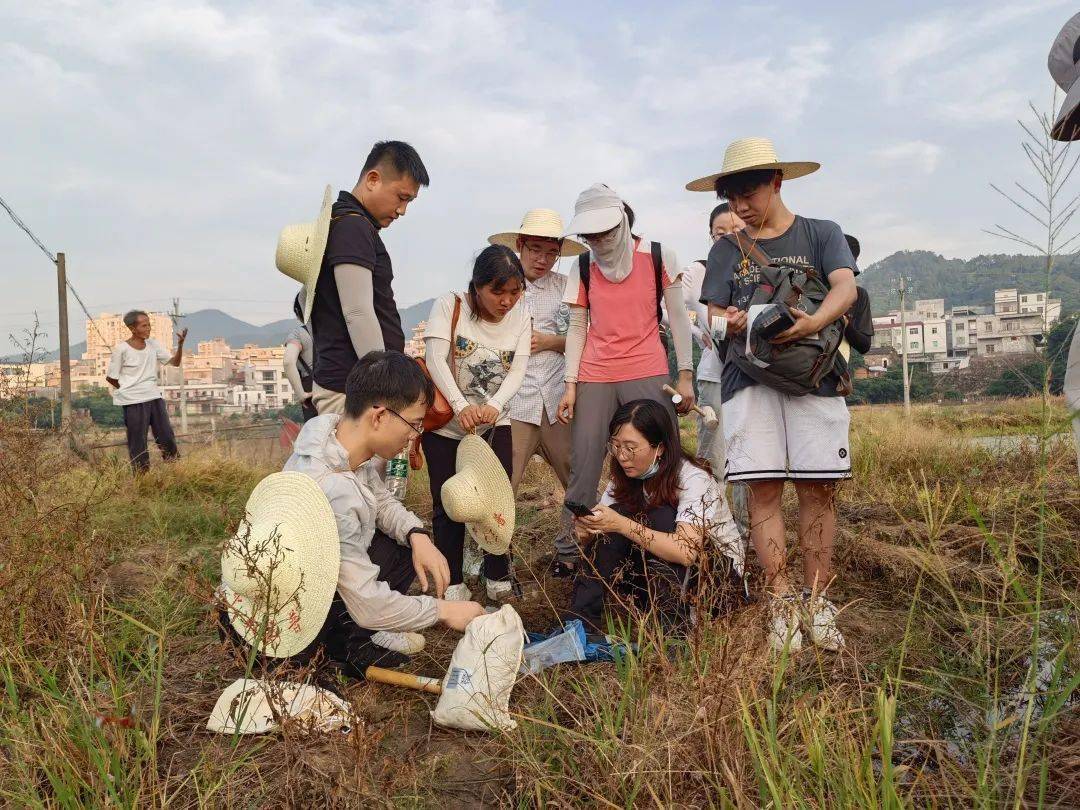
(405, 679)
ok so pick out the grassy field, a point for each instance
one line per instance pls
(958, 570)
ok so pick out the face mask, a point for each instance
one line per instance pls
(654, 468)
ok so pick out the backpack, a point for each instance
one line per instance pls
(584, 263)
(791, 368)
(859, 331)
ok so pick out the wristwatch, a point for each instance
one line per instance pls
(419, 530)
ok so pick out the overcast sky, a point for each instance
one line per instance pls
(162, 145)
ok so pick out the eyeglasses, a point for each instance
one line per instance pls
(600, 238)
(419, 431)
(627, 451)
(547, 251)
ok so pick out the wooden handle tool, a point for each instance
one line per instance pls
(405, 679)
(707, 413)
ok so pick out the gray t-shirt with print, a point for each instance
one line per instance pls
(816, 243)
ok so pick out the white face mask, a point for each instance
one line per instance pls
(615, 255)
(654, 468)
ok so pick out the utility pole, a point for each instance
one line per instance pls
(176, 316)
(65, 346)
(904, 344)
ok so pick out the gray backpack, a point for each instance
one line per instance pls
(791, 368)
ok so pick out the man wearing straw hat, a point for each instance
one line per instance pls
(382, 546)
(534, 422)
(772, 436)
(344, 266)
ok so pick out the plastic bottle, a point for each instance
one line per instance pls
(397, 475)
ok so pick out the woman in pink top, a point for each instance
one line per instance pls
(613, 350)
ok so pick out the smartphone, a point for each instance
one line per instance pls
(578, 509)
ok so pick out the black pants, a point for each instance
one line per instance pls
(148, 415)
(617, 564)
(341, 640)
(441, 454)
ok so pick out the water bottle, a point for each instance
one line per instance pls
(397, 475)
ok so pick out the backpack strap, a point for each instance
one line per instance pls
(658, 269)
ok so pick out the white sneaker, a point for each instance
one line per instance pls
(404, 643)
(784, 629)
(458, 593)
(820, 623)
(499, 589)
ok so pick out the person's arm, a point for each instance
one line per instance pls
(841, 296)
(178, 356)
(680, 546)
(516, 375)
(575, 345)
(116, 362)
(680, 327)
(292, 373)
(545, 342)
(356, 291)
(436, 352)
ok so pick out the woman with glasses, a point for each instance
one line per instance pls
(613, 349)
(660, 516)
(491, 343)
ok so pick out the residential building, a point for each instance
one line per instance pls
(107, 329)
(415, 346)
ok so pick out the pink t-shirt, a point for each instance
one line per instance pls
(623, 341)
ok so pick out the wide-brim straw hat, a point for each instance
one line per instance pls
(1064, 65)
(480, 496)
(539, 222)
(751, 154)
(300, 250)
(279, 572)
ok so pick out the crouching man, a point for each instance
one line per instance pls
(383, 546)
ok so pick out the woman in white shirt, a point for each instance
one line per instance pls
(661, 516)
(491, 345)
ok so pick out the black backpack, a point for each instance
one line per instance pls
(791, 368)
(584, 263)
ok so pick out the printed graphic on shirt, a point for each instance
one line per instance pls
(483, 377)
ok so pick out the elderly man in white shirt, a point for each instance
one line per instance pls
(534, 425)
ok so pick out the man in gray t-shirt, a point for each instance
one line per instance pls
(772, 437)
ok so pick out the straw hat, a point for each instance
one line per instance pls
(300, 250)
(1064, 65)
(281, 567)
(480, 496)
(748, 154)
(249, 706)
(539, 222)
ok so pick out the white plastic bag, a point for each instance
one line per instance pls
(476, 689)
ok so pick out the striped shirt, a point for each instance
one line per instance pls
(543, 386)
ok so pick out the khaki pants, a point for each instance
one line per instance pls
(552, 442)
(327, 401)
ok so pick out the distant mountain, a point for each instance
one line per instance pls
(411, 316)
(970, 281)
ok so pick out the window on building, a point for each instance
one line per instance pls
(913, 330)
(267, 375)
(268, 389)
(933, 329)
(991, 349)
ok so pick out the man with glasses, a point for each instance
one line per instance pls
(534, 423)
(383, 545)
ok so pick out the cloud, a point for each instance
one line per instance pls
(919, 155)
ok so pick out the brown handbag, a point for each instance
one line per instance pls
(440, 412)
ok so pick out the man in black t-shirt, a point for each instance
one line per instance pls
(354, 310)
(771, 436)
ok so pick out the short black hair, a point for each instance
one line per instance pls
(401, 156)
(733, 185)
(387, 378)
(853, 243)
(722, 208)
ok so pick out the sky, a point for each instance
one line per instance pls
(162, 145)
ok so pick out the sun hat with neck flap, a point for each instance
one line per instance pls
(542, 222)
(596, 210)
(752, 154)
(300, 250)
(279, 571)
(1064, 65)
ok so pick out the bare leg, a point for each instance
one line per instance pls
(767, 533)
(817, 531)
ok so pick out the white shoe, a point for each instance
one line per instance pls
(404, 643)
(499, 590)
(458, 593)
(820, 623)
(784, 632)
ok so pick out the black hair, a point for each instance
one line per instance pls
(402, 157)
(629, 217)
(722, 208)
(387, 378)
(656, 423)
(298, 306)
(494, 267)
(853, 243)
(733, 185)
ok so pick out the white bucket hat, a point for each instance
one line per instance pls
(300, 250)
(480, 496)
(280, 569)
(749, 154)
(539, 222)
(596, 210)
(1064, 65)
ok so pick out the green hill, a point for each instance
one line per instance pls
(970, 281)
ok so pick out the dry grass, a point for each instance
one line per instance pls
(958, 568)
